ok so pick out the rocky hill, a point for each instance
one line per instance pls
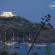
(19, 26)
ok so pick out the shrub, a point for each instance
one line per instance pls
(15, 53)
(4, 53)
(35, 53)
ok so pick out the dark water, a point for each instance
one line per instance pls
(40, 49)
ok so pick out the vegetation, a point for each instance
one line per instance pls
(3, 53)
(15, 53)
(35, 53)
(48, 50)
(6, 53)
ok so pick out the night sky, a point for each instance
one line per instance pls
(32, 10)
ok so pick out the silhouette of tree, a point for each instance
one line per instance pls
(45, 20)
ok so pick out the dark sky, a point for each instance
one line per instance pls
(32, 10)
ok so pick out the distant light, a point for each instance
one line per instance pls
(7, 14)
(12, 43)
(13, 38)
(1, 41)
(29, 45)
(5, 32)
(29, 39)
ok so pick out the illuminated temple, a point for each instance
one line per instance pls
(7, 14)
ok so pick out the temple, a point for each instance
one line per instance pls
(7, 14)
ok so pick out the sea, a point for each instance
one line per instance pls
(39, 48)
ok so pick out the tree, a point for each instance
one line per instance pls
(45, 20)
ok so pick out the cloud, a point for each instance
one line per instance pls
(52, 5)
